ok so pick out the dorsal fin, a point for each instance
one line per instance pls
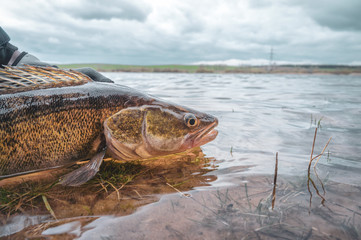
(26, 78)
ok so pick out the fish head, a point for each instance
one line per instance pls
(150, 131)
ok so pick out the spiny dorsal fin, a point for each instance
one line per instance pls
(22, 79)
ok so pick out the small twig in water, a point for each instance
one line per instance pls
(309, 167)
(184, 194)
(318, 193)
(309, 172)
(275, 183)
(140, 196)
(320, 181)
(320, 155)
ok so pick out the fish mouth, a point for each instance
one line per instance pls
(206, 135)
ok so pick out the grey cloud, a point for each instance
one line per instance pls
(146, 33)
(336, 15)
(345, 19)
(106, 10)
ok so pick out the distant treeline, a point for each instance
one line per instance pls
(287, 69)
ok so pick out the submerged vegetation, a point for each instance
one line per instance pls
(118, 188)
(31, 194)
(291, 69)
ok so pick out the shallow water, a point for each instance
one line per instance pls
(259, 115)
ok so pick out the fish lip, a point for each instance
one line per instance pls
(206, 135)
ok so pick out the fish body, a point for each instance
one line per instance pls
(44, 126)
(51, 127)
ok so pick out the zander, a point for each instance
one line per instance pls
(51, 117)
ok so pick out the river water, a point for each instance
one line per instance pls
(259, 115)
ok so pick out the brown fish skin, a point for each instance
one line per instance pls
(52, 127)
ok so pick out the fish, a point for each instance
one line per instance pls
(52, 117)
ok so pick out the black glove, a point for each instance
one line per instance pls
(93, 74)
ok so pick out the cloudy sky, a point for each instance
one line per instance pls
(147, 32)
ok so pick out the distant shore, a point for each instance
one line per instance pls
(275, 69)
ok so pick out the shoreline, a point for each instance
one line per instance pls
(222, 69)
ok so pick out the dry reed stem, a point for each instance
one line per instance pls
(275, 182)
(309, 179)
(118, 194)
(320, 155)
(309, 168)
(184, 194)
(316, 157)
(102, 185)
(320, 181)
(317, 192)
(140, 196)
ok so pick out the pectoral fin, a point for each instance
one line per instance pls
(85, 172)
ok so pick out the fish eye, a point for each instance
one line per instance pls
(190, 120)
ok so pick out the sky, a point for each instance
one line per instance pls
(147, 32)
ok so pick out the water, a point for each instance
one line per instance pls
(259, 115)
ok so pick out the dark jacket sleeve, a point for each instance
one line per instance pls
(4, 38)
(6, 49)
